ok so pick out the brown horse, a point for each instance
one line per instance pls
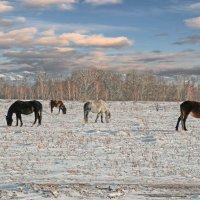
(98, 107)
(58, 104)
(186, 108)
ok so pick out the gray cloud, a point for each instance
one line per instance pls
(180, 71)
(103, 2)
(162, 35)
(68, 59)
(189, 40)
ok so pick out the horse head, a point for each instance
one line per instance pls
(108, 116)
(9, 120)
(63, 108)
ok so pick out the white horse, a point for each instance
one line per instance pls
(99, 107)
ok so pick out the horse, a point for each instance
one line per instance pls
(59, 104)
(98, 107)
(186, 108)
(26, 108)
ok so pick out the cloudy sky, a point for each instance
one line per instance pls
(122, 35)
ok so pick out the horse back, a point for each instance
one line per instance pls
(56, 103)
(26, 107)
(96, 106)
(192, 107)
(37, 105)
(101, 105)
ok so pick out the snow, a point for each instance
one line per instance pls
(138, 155)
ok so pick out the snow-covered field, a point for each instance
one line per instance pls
(139, 155)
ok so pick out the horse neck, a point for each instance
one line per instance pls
(10, 112)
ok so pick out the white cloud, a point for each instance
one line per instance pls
(49, 32)
(193, 22)
(103, 2)
(20, 19)
(19, 37)
(195, 6)
(97, 40)
(49, 41)
(64, 50)
(27, 36)
(63, 4)
(5, 7)
(66, 6)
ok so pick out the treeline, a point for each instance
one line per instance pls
(99, 84)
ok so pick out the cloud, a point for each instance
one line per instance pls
(49, 41)
(103, 2)
(180, 71)
(49, 32)
(97, 40)
(67, 59)
(5, 7)
(193, 22)
(158, 57)
(66, 6)
(20, 19)
(27, 36)
(63, 4)
(64, 49)
(100, 41)
(189, 40)
(195, 6)
(18, 37)
(51, 60)
(8, 22)
(162, 34)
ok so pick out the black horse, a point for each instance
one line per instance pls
(58, 104)
(186, 108)
(26, 108)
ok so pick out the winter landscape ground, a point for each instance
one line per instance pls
(139, 155)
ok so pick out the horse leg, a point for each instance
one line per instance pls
(101, 117)
(86, 113)
(36, 116)
(39, 118)
(97, 117)
(183, 120)
(20, 118)
(16, 120)
(51, 108)
(179, 119)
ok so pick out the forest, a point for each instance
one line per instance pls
(91, 84)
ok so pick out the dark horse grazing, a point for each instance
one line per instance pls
(98, 107)
(26, 108)
(59, 104)
(186, 108)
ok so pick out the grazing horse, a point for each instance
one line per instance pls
(26, 108)
(186, 108)
(59, 104)
(98, 107)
